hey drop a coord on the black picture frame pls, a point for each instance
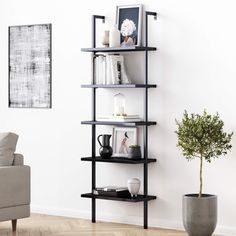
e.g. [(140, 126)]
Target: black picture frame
[(134, 13)]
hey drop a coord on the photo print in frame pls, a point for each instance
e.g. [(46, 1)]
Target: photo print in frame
[(30, 66), (129, 22), (122, 138)]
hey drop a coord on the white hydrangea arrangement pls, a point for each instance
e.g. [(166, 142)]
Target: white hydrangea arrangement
[(127, 27)]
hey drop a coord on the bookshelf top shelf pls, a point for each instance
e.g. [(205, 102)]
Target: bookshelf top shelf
[(119, 49), (122, 124), (118, 86)]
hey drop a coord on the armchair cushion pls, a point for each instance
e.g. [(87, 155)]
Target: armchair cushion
[(8, 143), (14, 186)]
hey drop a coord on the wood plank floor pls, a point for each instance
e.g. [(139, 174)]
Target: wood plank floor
[(44, 225)]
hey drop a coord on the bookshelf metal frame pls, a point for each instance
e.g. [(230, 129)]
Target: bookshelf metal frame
[(146, 123)]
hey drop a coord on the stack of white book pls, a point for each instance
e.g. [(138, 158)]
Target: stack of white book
[(127, 118), (100, 69), (110, 69)]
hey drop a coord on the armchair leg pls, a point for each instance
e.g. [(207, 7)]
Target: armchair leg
[(14, 223)]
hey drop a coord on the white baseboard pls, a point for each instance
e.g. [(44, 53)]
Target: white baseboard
[(134, 220)]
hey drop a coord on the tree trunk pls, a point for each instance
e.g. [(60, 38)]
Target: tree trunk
[(200, 191)]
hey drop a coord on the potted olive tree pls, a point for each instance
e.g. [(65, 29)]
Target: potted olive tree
[(202, 137)]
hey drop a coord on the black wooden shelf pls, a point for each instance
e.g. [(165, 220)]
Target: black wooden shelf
[(139, 198), (119, 49), (122, 124), (118, 86), (119, 160)]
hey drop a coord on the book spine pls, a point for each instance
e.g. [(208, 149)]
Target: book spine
[(112, 69), (108, 70), (104, 69), (100, 69), (124, 77)]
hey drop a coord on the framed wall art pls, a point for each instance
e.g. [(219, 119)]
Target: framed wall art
[(129, 22), (30, 66), (122, 138)]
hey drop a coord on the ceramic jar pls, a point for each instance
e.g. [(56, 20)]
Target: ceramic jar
[(133, 186)]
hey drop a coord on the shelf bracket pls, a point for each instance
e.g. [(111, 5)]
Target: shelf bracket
[(148, 13), (94, 18)]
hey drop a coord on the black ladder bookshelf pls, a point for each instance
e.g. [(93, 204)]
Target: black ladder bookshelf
[(145, 124)]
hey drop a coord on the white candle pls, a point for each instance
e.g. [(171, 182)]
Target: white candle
[(119, 110), (114, 37)]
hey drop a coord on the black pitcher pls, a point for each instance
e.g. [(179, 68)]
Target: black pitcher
[(105, 150)]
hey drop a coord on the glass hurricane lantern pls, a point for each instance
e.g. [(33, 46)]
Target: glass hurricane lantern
[(119, 105)]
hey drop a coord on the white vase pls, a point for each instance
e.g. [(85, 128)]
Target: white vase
[(114, 37), (133, 186), (105, 39)]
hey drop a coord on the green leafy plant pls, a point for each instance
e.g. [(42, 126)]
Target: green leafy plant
[(202, 136), (134, 146)]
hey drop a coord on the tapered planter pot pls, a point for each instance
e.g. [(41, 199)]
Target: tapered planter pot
[(199, 214)]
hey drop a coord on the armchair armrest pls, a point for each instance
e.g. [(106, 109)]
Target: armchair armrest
[(18, 160), (14, 186)]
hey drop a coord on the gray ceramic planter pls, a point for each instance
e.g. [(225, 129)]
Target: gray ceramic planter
[(199, 214), (134, 152)]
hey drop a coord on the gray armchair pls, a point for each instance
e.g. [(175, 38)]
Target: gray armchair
[(15, 191)]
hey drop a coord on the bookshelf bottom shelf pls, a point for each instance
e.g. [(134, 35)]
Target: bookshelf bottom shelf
[(139, 198)]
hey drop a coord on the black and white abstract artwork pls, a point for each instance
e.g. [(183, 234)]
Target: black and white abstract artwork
[(30, 66)]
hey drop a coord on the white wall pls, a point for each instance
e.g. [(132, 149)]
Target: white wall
[(194, 68)]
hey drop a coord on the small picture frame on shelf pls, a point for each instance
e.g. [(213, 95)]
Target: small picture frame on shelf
[(129, 22), (122, 138)]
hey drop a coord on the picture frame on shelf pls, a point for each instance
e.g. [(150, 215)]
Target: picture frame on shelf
[(129, 22), (122, 138)]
